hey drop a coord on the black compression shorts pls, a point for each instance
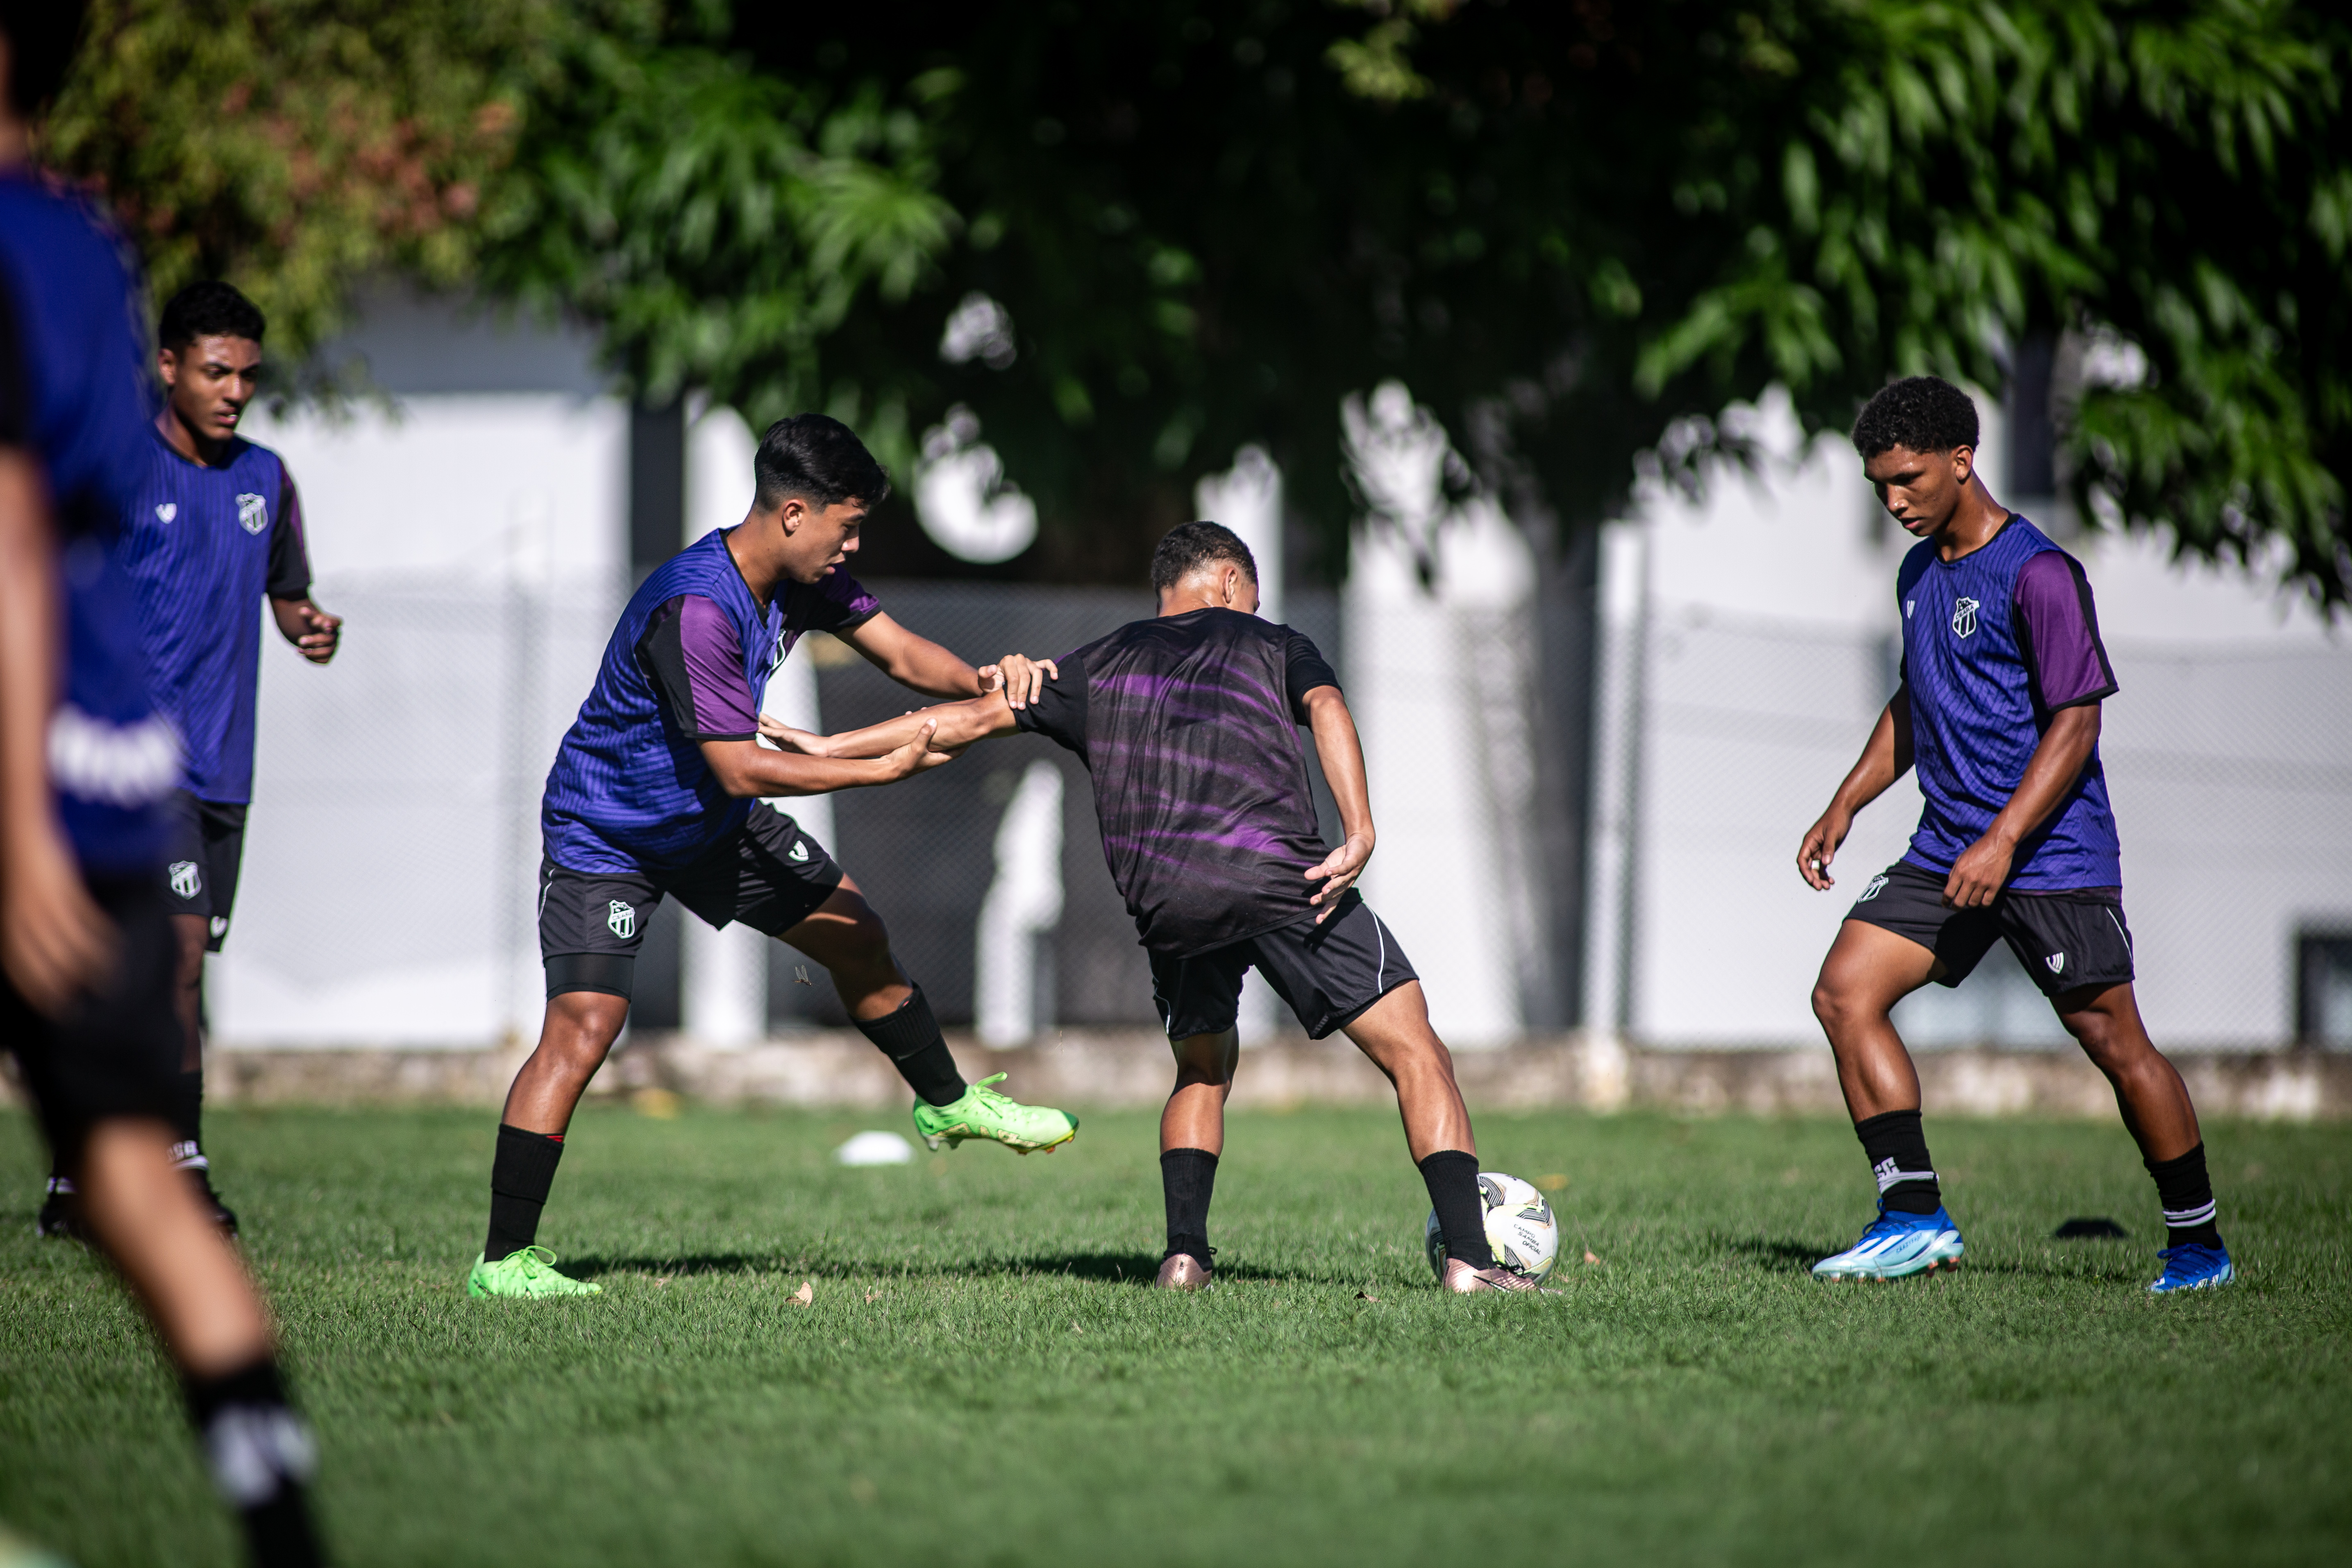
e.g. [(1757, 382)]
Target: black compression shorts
[(2065, 940), (1329, 974)]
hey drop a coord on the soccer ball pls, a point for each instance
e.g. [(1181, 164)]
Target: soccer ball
[(1519, 1227)]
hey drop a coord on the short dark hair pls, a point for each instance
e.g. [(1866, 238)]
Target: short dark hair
[(208, 309), (1189, 546), (819, 460), (42, 40), (1924, 413)]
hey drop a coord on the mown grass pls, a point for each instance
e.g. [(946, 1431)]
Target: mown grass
[(980, 1379)]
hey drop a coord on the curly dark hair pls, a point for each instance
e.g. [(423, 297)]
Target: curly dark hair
[(208, 309), (1189, 546), (1924, 413)]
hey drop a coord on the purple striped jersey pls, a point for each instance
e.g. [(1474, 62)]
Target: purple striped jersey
[(204, 545), (73, 395), (1994, 645), (688, 662), (1188, 724)]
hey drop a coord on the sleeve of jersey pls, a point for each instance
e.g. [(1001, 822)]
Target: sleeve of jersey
[(843, 604), (289, 557), (1304, 669), (690, 653), (2052, 599), (1060, 712), (16, 387)]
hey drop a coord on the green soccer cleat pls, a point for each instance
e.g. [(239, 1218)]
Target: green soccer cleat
[(984, 1114), (530, 1273)]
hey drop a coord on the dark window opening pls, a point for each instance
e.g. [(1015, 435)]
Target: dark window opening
[(2323, 989)]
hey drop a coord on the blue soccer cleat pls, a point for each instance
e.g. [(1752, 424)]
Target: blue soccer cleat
[(1896, 1244), (2189, 1266)]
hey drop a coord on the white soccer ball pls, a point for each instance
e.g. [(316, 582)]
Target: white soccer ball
[(1519, 1227)]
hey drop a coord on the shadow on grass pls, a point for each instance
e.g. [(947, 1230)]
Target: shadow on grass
[(1137, 1269), (1782, 1257)]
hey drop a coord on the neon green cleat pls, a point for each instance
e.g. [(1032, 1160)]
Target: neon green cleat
[(984, 1114), (529, 1273)]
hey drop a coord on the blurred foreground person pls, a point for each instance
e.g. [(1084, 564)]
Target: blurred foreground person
[(1189, 724), (215, 528), (657, 790), (2002, 679), (87, 763)]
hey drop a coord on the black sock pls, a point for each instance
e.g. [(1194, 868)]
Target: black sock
[(188, 1122), (2187, 1194), (911, 1037), (1897, 1152), (520, 1172), (1452, 1177), (260, 1454), (1188, 1177)]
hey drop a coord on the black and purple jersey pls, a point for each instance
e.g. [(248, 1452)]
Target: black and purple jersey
[(204, 544), (1993, 643), (1189, 724), (73, 393), (690, 662)]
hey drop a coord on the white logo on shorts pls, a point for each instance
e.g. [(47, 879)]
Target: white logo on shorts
[(1964, 617), (220, 927), (2057, 962), (167, 511), (186, 880), (799, 854), (623, 920), (1877, 885), (252, 513)]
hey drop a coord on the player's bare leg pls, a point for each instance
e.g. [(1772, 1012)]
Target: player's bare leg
[(1191, 1137), (574, 1037), (846, 936), (1868, 970), (1394, 1032), (2154, 1101)]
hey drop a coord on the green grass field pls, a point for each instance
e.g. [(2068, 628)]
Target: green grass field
[(982, 1380)]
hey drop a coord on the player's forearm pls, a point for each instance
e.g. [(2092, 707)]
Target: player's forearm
[(1341, 751), (916, 663), (1883, 760), (959, 724), (2057, 762), (762, 774), (29, 616)]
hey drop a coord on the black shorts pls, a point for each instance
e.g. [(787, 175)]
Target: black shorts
[(117, 1052), (207, 849), (766, 874), (1329, 974), (2065, 941)]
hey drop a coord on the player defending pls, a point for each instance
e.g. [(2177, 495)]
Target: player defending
[(1187, 723), (2003, 674), (656, 791), (87, 763), (216, 526)]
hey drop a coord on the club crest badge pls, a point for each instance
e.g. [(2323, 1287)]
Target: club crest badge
[(623, 920), (186, 880), (798, 855), (2057, 962), (1964, 617), (252, 513), (167, 511)]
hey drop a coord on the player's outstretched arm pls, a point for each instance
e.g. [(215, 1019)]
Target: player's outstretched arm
[(1885, 758), (746, 768), (922, 665), (950, 727), (1341, 752)]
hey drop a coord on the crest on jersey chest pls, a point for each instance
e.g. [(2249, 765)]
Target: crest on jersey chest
[(1964, 617), (252, 513)]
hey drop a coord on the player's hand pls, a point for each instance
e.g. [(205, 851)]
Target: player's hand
[(1019, 677), (321, 632), (916, 755), (54, 941), (1978, 875), (787, 739), (1339, 873), (1821, 847)]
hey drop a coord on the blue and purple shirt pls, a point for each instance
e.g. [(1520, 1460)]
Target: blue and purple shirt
[(688, 662), (204, 545), (73, 393), (1993, 643), (1189, 724)]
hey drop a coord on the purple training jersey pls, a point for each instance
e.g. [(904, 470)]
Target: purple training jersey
[(204, 545), (72, 394), (1993, 643), (690, 662), (1188, 724)]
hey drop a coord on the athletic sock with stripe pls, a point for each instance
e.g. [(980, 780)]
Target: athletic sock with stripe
[(1452, 1177), (1188, 1179), (521, 1171), (911, 1037), (1897, 1151), (2186, 1191), (261, 1455)]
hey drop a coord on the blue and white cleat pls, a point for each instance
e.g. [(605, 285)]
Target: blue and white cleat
[(1896, 1244), (2192, 1268)]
